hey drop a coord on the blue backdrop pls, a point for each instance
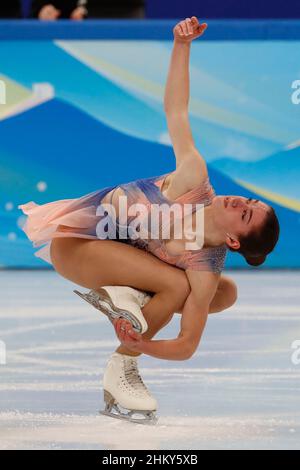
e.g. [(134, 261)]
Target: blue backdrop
[(87, 113)]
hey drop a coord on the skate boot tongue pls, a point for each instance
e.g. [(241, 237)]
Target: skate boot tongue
[(132, 375)]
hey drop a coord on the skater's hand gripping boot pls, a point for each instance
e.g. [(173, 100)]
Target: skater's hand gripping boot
[(127, 336)]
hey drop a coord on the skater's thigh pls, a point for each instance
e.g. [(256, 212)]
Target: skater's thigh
[(96, 263)]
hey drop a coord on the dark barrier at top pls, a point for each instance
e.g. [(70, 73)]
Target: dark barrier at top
[(223, 9)]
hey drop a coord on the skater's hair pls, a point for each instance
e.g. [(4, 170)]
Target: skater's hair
[(260, 242)]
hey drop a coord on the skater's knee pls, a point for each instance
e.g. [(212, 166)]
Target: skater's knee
[(179, 290), (225, 297), (167, 320)]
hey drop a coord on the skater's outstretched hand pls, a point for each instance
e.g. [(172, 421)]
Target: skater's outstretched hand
[(189, 29), (128, 337)]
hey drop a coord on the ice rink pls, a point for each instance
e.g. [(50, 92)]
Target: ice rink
[(241, 390)]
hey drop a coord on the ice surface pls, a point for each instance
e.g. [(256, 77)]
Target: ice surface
[(241, 390)]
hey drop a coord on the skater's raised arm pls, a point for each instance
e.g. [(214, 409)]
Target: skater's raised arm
[(177, 91), (176, 101), (193, 321)]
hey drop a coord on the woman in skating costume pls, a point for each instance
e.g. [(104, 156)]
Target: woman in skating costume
[(164, 274)]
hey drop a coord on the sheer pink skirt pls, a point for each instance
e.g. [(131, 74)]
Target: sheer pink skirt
[(63, 218)]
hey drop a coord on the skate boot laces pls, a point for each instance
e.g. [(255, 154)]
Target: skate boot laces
[(133, 377)]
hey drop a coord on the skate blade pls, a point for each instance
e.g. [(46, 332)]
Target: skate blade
[(104, 304), (112, 409), (150, 421)]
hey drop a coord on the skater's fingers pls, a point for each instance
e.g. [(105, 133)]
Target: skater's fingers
[(130, 333), (203, 27), (123, 330), (130, 338), (120, 328), (180, 30), (125, 327), (125, 335), (129, 326), (189, 26), (184, 27), (134, 335), (117, 324)]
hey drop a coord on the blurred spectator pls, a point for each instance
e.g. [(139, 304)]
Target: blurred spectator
[(52, 10), (78, 10), (10, 9)]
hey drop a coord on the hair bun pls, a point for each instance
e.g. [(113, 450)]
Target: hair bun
[(256, 260)]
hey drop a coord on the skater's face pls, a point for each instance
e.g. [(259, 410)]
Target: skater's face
[(239, 216)]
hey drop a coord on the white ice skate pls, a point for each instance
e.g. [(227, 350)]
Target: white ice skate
[(119, 302), (124, 387)]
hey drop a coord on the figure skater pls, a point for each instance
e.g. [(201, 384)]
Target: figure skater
[(139, 282)]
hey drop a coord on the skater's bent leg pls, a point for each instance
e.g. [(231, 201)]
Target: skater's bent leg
[(96, 263), (225, 296)]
